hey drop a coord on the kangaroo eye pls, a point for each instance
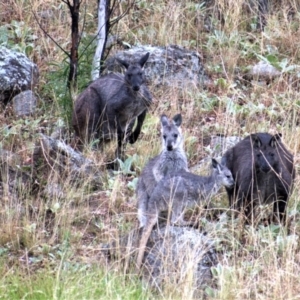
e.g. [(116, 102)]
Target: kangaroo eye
[(271, 154), (164, 136), (140, 74), (175, 135)]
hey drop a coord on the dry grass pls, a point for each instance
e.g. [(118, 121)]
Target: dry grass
[(39, 233)]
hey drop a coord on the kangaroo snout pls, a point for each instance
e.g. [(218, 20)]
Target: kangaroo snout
[(170, 147), (230, 183), (266, 169), (265, 162)]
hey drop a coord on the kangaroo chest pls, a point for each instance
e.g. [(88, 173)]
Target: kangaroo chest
[(131, 110), (119, 114), (265, 187)]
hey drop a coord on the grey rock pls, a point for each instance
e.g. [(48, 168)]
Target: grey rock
[(264, 71), (17, 73), (220, 144), (166, 65), (13, 180), (54, 190), (178, 254), (174, 255), (24, 104), (60, 131), (217, 147), (52, 156)]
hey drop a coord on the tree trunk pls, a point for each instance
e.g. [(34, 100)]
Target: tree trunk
[(102, 32), (74, 10)]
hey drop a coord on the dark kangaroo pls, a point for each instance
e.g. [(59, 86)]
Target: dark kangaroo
[(263, 170), (110, 106), (177, 192), (171, 159)]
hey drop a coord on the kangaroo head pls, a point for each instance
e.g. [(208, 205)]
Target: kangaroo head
[(222, 173), (134, 75), (171, 132), (265, 152)]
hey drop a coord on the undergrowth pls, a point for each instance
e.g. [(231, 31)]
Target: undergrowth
[(51, 244)]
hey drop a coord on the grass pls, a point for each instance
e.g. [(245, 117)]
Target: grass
[(69, 281), (50, 245)]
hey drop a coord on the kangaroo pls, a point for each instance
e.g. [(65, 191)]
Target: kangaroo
[(178, 192), (171, 159), (110, 106), (263, 170)]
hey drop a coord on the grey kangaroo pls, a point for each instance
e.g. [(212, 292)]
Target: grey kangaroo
[(263, 170), (111, 104), (177, 192), (171, 159)]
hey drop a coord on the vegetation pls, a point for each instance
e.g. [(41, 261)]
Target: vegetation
[(50, 246)]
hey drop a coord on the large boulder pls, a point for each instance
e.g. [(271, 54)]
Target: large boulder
[(174, 256), (177, 255), (55, 167), (61, 166), (170, 65), (17, 73)]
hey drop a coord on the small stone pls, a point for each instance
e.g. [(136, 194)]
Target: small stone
[(24, 103)]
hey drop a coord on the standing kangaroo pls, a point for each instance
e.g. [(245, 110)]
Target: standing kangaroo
[(171, 159), (179, 192), (111, 104), (263, 170)]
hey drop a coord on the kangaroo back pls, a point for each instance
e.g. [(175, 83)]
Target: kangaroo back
[(185, 189), (171, 159), (263, 170), (178, 191)]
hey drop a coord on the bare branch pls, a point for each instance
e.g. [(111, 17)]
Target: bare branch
[(66, 2), (126, 12), (83, 24), (48, 35)]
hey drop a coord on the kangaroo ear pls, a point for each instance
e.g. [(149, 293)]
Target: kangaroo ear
[(144, 59), (164, 120), (214, 163), (255, 141), (216, 166), (177, 120), (275, 139), (122, 62), (223, 160)]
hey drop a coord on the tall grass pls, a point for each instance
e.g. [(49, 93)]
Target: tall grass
[(69, 281), (50, 244)]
